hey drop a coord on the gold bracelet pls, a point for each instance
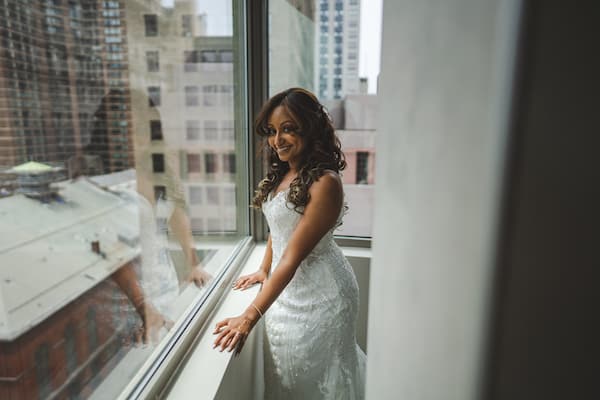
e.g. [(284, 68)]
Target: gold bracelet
[(257, 309)]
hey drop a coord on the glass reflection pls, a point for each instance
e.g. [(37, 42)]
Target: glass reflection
[(118, 195)]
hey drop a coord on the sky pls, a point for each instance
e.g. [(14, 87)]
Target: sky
[(370, 41)]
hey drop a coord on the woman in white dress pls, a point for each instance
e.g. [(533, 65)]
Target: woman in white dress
[(309, 294)]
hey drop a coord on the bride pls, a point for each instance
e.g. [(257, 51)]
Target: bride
[(308, 286)]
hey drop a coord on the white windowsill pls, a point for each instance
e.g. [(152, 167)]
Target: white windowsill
[(201, 376)]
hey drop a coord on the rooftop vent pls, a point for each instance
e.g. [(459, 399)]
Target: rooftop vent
[(35, 180)]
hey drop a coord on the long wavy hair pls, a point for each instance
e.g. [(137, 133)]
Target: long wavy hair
[(322, 148)]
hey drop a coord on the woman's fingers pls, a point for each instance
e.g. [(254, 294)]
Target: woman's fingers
[(237, 337), (240, 282), (220, 325), (220, 339), (240, 344), (228, 338)]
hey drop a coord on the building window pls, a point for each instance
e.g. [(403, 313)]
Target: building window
[(229, 163), (156, 130), (42, 373), (191, 96), (229, 196), (195, 193), (192, 130), (362, 167), (158, 162), (208, 56), (92, 330), (154, 96), (186, 25), (211, 131), (190, 59), (227, 131), (160, 192), (151, 24), (209, 93), (70, 348), (212, 195), (226, 56), (210, 163), (193, 162), (152, 61)]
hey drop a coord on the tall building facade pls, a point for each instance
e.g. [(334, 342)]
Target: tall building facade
[(58, 60), (337, 48), (182, 85)]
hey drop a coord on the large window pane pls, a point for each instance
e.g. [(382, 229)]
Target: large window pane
[(118, 178), (320, 45)]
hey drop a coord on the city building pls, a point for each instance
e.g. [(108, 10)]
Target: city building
[(182, 88), (337, 47), (61, 317), (58, 61), (357, 135)]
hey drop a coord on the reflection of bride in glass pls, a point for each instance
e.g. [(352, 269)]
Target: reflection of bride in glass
[(310, 299), (151, 283)]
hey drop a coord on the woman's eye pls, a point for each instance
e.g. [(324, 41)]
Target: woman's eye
[(288, 129), (269, 131)]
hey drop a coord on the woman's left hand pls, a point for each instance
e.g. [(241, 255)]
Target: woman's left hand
[(233, 333), (199, 276)]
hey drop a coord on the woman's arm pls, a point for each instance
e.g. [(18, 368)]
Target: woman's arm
[(320, 215), (244, 282), (181, 228)]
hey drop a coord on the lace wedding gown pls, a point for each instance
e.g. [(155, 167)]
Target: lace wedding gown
[(310, 346)]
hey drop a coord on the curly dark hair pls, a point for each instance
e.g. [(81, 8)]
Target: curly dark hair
[(322, 148)]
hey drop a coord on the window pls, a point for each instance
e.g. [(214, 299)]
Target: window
[(186, 25), (212, 195), (229, 163), (160, 192), (227, 132), (208, 56), (211, 131), (158, 163), (152, 62), (42, 373), (192, 130), (195, 193), (191, 96), (190, 60), (151, 24), (154, 96), (210, 163), (226, 56), (193, 162), (70, 348), (362, 167), (209, 95), (156, 130), (96, 87)]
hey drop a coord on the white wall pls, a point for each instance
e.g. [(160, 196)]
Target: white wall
[(444, 86)]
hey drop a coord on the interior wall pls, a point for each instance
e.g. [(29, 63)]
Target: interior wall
[(445, 86), (546, 324)]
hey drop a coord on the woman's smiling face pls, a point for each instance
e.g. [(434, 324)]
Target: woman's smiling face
[(284, 138)]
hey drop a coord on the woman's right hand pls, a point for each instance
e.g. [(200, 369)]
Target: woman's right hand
[(244, 282)]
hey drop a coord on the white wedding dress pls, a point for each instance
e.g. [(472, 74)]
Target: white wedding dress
[(310, 346)]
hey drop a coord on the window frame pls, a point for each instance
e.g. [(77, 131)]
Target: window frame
[(251, 17)]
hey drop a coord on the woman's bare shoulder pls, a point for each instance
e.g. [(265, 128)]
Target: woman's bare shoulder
[(330, 183)]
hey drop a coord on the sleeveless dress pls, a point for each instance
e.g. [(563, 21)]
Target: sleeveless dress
[(310, 346)]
